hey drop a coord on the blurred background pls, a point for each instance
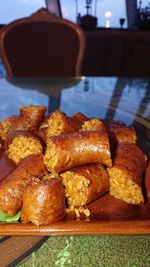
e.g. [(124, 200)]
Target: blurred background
[(117, 32), (108, 12)]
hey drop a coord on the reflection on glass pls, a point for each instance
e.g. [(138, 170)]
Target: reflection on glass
[(91, 102), (108, 15), (121, 21), (107, 98), (70, 10), (18, 97), (101, 97)]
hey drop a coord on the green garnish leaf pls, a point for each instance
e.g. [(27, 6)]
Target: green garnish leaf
[(4, 217)]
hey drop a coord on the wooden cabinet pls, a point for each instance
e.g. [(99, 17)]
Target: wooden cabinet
[(135, 59), (117, 53)]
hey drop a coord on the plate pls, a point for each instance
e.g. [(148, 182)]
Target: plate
[(120, 219), (108, 215)]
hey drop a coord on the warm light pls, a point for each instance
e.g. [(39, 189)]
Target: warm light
[(107, 23), (108, 14)]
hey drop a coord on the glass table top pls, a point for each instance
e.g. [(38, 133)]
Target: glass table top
[(111, 98), (103, 97)]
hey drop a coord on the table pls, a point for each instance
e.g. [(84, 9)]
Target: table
[(116, 98)]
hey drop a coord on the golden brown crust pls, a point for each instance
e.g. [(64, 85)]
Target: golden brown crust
[(11, 189), (99, 183), (6, 165), (29, 119), (67, 151), (114, 124), (127, 172), (43, 202), (44, 123), (76, 148), (60, 123), (93, 125), (42, 133), (20, 144), (130, 159), (27, 134), (122, 135), (80, 116), (74, 181)]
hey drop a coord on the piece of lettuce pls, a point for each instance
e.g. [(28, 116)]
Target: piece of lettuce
[(4, 217)]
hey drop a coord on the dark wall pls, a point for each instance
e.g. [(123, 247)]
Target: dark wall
[(117, 52)]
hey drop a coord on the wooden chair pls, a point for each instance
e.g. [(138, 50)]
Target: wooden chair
[(42, 45)]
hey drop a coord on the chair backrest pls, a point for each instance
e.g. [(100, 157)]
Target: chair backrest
[(42, 45)]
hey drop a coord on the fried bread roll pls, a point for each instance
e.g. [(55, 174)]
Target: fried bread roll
[(12, 187), (44, 123), (42, 133), (93, 124), (20, 144), (126, 173), (122, 135), (6, 165), (70, 150), (119, 133), (29, 119), (80, 116), (85, 184), (114, 123), (43, 202), (60, 123)]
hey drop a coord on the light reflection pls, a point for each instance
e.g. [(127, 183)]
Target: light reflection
[(108, 98), (70, 11), (93, 102), (107, 24), (108, 14), (11, 98), (102, 97), (147, 112)]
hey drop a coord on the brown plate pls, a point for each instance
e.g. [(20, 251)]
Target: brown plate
[(108, 215), (137, 223)]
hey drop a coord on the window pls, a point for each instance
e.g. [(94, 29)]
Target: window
[(143, 4), (108, 12), (11, 10)]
